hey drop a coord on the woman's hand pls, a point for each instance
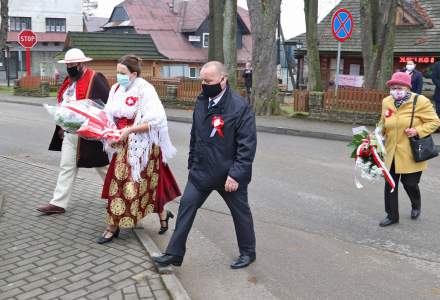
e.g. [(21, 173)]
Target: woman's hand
[(411, 132)]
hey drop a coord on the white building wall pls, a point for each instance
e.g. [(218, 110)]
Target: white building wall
[(39, 10)]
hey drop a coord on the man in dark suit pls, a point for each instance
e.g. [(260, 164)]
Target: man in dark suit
[(416, 77), (222, 149), (436, 80)]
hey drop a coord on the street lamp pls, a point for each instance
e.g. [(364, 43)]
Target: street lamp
[(298, 46)]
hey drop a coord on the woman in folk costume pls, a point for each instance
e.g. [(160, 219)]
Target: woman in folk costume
[(138, 181)]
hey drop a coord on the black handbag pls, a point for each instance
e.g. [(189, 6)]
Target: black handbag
[(422, 148)]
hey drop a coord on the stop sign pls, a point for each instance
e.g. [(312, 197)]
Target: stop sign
[(27, 38)]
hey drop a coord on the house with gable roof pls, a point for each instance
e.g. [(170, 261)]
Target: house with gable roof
[(179, 30)]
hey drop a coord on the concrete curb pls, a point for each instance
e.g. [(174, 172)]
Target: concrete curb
[(171, 282), (260, 128)]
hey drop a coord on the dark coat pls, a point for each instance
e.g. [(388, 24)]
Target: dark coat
[(436, 80), (212, 159), (91, 153), (416, 81), (247, 75)]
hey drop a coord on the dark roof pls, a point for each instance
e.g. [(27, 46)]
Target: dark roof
[(104, 45), (422, 38), (166, 25), (94, 24)]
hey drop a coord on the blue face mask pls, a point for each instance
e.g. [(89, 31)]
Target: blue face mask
[(123, 79)]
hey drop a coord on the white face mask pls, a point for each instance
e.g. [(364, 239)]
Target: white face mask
[(398, 94), (410, 67)]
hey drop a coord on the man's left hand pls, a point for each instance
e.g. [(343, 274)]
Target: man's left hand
[(231, 185), (125, 133)]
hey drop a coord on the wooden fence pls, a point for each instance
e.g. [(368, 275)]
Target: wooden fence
[(30, 82), (300, 101), (354, 99), (188, 90)]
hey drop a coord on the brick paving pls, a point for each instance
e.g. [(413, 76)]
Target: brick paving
[(56, 257)]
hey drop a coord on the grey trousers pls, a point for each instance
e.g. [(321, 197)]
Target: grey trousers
[(193, 199)]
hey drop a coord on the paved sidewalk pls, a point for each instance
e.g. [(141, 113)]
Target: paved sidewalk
[(56, 257), (271, 124)]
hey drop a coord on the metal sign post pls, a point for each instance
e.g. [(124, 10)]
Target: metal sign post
[(338, 64), (27, 39)]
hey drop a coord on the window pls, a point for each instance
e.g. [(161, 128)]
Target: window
[(205, 40), (55, 25), (169, 71), (194, 73), (19, 23)]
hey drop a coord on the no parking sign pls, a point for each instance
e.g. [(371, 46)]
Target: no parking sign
[(342, 29)]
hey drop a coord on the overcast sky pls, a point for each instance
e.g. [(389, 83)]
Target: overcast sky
[(292, 13)]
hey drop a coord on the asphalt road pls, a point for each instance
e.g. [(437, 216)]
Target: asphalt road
[(317, 235)]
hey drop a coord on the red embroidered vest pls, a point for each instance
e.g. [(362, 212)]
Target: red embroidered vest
[(83, 86)]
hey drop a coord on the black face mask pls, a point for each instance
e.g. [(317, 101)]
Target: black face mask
[(211, 90), (74, 73)]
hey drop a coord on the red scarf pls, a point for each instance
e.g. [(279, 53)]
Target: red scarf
[(83, 86)]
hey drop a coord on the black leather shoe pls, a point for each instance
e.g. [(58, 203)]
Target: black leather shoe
[(415, 213), (243, 261), (103, 240), (166, 260), (387, 222)]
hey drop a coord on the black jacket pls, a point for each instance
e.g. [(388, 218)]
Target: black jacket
[(247, 75), (416, 81), (91, 153), (212, 159), (436, 80)]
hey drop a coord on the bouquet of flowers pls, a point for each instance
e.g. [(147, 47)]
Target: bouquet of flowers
[(368, 152), (86, 118)]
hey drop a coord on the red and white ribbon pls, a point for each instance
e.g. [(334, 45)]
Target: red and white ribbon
[(366, 149)]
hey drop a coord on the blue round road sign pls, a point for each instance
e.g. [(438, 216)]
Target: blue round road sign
[(342, 25)]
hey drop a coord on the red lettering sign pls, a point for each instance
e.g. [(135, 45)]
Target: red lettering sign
[(27, 39), (418, 59)]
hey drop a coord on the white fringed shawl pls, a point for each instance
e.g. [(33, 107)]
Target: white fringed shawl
[(148, 110)]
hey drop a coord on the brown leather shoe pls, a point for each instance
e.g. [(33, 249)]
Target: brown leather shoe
[(51, 209)]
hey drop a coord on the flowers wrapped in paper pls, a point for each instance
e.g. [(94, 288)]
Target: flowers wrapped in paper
[(369, 152), (86, 118)]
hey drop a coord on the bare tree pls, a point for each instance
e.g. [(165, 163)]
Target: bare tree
[(4, 15), (264, 19), (311, 15), (230, 41), (89, 6), (216, 10), (378, 21)]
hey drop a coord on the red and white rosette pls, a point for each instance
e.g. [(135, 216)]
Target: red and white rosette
[(218, 123), (130, 101)]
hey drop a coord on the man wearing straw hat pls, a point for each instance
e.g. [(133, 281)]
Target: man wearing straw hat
[(81, 83)]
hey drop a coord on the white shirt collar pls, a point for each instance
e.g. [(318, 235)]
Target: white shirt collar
[(217, 98)]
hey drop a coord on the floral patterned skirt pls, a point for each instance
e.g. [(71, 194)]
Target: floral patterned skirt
[(130, 201)]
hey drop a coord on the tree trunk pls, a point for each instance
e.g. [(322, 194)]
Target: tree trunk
[(378, 21), (311, 15), (230, 41), (4, 12), (216, 10), (264, 19)]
